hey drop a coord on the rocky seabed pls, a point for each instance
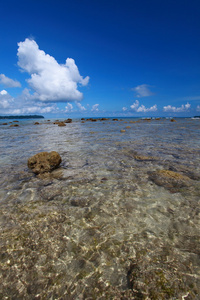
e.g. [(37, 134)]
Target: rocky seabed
[(119, 218)]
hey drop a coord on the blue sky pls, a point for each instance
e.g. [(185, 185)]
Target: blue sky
[(100, 58)]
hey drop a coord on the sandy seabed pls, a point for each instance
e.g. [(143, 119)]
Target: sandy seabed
[(119, 219)]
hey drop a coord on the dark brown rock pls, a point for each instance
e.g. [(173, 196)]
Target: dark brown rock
[(36, 123), (14, 125), (44, 162), (68, 121)]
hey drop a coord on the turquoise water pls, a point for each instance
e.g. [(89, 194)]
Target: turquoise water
[(107, 224)]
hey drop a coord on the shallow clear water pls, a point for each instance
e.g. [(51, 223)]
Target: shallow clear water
[(103, 225)]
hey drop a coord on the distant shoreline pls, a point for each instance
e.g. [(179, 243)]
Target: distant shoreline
[(22, 117)]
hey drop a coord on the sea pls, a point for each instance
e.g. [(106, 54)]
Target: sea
[(118, 219)]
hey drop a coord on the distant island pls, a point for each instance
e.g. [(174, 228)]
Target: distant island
[(22, 117)]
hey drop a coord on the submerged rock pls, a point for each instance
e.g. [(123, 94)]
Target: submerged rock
[(14, 125), (140, 157), (44, 162), (143, 158), (171, 180), (61, 124)]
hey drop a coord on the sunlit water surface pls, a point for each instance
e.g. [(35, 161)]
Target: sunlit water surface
[(99, 227)]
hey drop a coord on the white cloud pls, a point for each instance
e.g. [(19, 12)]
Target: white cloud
[(135, 106), (124, 108), (198, 107), (50, 80), (95, 107), (3, 92), (142, 90), (23, 104), (82, 108), (182, 108), (5, 100), (142, 108), (187, 106), (32, 110), (68, 107), (8, 82)]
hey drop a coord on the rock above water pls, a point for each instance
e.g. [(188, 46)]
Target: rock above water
[(44, 162), (68, 120)]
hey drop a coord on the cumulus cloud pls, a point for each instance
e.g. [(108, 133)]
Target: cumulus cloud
[(198, 107), (141, 108), (50, 80), (142, 90), (8, 82), (95, 107), (81, 107), (182, 108), (5, 99), (135, 105), (34, 110), (124, 108), (3, 92), (23, 104)]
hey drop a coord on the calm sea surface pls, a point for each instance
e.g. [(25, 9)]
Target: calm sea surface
[(119, 219)]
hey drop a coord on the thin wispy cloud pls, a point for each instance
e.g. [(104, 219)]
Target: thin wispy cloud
[(193, 98), (68, 107), (81, 107), (95, 107), (142, 90), (8, 82)]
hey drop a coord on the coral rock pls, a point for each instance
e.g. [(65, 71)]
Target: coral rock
[(172, 181), (44, 162), (61, 124)]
